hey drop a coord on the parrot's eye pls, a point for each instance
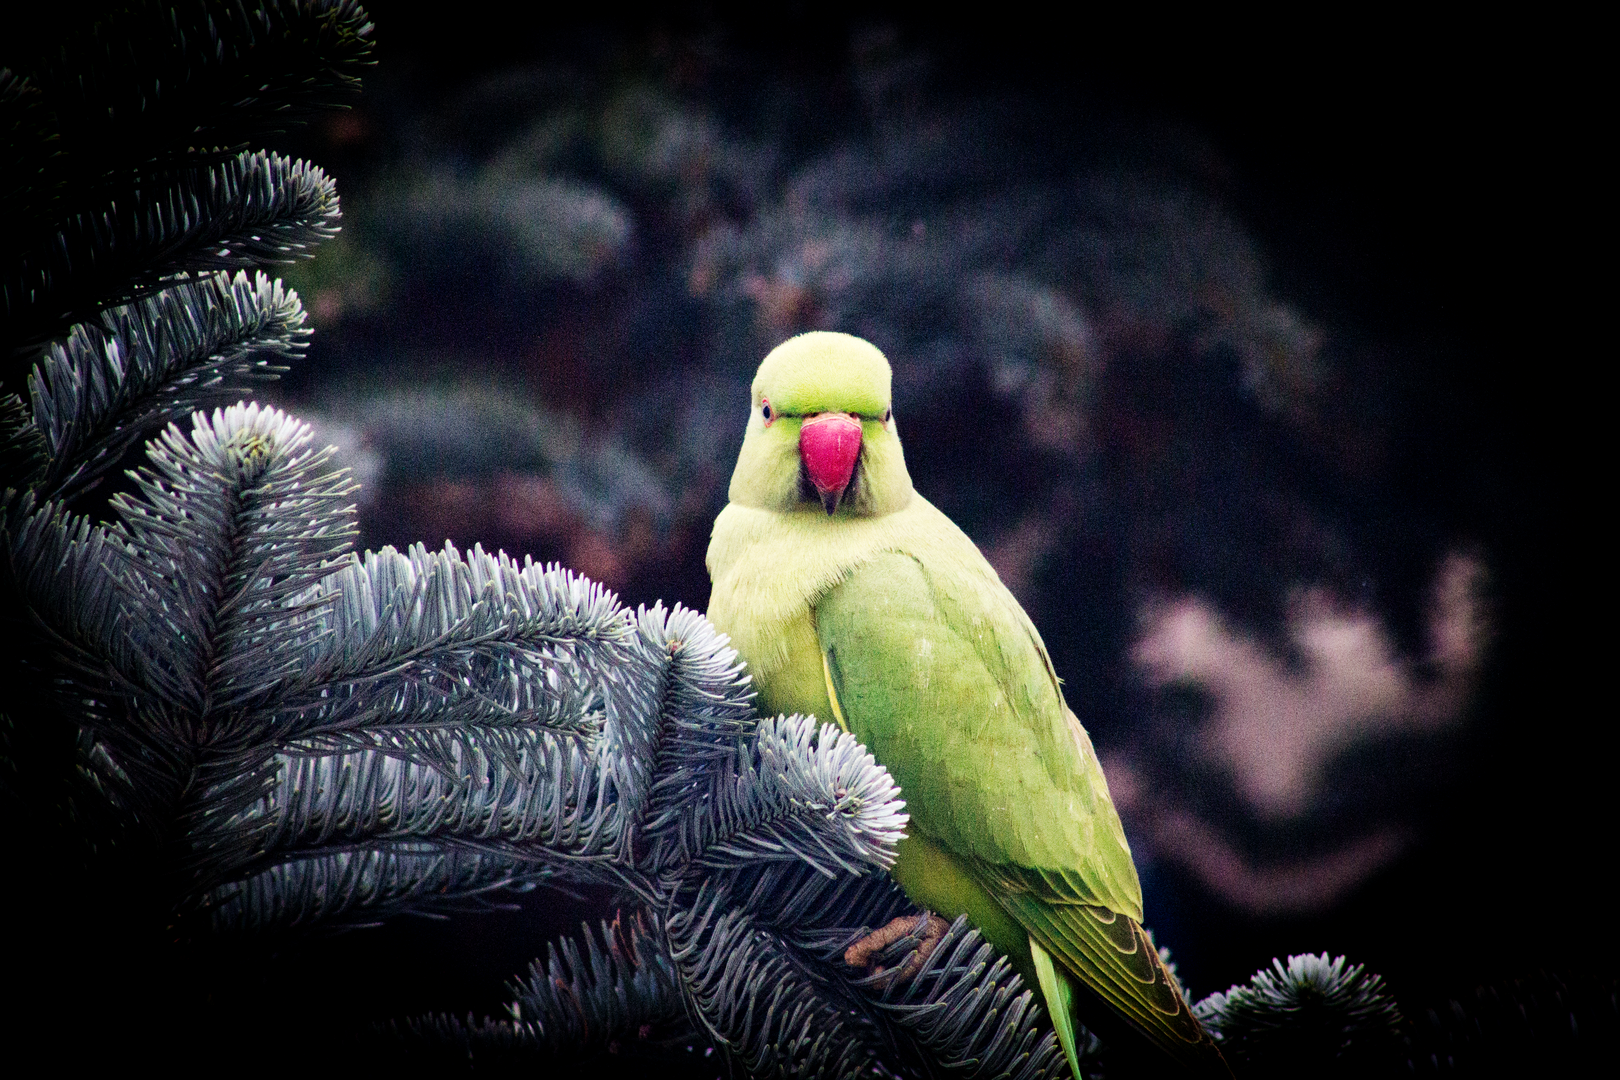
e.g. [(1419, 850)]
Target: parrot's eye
[(888, 413), (765, 410)]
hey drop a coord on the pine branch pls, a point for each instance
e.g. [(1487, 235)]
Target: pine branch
[(362, 884), (251, 210), (232, 525), (169, 626), (757, 999), (799, 791), (26, 136), (963, 1010), (153, 362), (23, 451), (705, 710), (156, 84), (1313, 1015), (620, 988), (966, 1011)]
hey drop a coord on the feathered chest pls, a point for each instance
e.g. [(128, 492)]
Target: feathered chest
[(770, 570)]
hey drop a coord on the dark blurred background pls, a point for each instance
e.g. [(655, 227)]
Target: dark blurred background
[(1239, 350)]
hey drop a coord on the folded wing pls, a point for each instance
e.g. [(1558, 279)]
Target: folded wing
[(939, 671)]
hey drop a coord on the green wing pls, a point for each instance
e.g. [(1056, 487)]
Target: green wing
[(940, 673)]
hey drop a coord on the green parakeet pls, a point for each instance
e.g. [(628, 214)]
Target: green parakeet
[(851, 597)]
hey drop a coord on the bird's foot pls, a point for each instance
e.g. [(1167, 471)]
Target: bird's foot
[(927, 927)]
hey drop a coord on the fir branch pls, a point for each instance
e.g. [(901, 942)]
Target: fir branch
[(1313, 1015), (473, 700), (705, 709), (229, 531), (254, 209), (435, 727), (23, 452), (510, 684), (432, 639), (154, 84), (774, 994), (58, 567), (823, 915), (964, 1009), (154, 361), (799, 791), (618, 989), (756, 998), (232, 524), (375, 880), (26, 143), (754, 988), (168, 627), (520, 797)]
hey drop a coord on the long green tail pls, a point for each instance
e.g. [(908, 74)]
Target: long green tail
[(1059, 995), (1064, 991)]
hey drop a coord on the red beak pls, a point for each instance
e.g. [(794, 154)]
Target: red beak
[(829, 446)]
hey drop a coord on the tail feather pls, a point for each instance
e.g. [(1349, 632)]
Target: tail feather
[(1058, 991), (1154, 1039)]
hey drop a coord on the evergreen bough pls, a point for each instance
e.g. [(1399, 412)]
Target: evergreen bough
[(1312, 1014)]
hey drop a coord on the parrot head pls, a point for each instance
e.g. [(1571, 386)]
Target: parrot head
[(821, 433)]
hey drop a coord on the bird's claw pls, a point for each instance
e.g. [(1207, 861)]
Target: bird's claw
[(864, 953)]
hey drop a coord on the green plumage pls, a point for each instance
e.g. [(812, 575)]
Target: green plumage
[(885, 617)]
